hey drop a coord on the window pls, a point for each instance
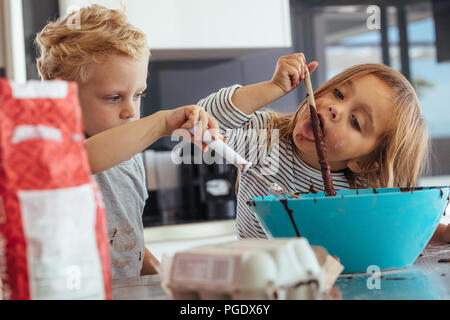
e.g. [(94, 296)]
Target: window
[(349, 41), (431, 79)]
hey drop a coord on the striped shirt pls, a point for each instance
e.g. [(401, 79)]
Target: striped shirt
[(279, 163)]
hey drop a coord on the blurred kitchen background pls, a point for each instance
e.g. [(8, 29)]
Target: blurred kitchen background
[(200, 46)]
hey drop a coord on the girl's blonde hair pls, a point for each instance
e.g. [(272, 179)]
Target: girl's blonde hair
[(402, 154), (66, 50)]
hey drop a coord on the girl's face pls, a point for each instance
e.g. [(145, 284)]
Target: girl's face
[(353, 115)]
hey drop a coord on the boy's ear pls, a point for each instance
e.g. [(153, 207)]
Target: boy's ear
[(356, 167)]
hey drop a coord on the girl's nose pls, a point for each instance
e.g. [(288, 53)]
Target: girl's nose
[(128, 111), (333, 113)]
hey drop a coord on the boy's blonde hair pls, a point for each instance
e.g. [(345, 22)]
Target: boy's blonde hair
[(67, 50), (402, 153)]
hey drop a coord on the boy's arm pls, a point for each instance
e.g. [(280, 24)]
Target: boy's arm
[(288, 74), (442, 234), (116, 145), (150, 263)]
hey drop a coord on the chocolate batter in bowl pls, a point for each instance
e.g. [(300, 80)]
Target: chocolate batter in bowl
[(386, 227)]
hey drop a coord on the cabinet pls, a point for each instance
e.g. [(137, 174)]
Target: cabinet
[(202, 29)]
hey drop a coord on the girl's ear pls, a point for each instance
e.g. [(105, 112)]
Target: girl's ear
[(356, 167)]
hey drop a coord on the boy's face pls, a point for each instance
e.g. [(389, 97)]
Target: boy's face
[(112, 93), (353, 115)]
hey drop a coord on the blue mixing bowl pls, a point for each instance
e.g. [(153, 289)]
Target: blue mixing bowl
[(386, 227)]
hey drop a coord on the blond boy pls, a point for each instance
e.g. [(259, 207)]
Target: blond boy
[(108, 58)]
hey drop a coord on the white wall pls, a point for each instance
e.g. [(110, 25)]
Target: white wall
[(205, 24)]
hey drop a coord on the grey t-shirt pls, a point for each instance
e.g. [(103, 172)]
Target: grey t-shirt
[(124, 193)]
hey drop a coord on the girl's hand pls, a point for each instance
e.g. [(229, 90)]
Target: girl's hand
[(291, 70), (183, 119)]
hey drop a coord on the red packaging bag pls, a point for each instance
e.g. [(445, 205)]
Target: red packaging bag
[(53, 241)]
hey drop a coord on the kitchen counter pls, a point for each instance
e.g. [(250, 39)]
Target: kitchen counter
[(189, 231), (427, 278), (173, 238), (141, 288)]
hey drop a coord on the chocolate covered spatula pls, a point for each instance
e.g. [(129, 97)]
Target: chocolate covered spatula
[(318, 138)]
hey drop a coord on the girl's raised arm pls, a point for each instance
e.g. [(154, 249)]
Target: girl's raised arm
[(289, 72)]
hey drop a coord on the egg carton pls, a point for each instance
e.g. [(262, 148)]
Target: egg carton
[(262, 269)]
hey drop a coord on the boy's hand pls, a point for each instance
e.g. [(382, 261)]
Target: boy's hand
[(186, 118), (446, 234), (291, 70), (441, 235)]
